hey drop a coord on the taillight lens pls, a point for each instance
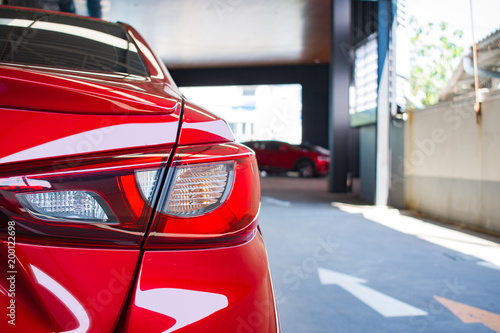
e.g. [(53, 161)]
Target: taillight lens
[(209, 197), (323, 158), (71, 206), (147, 181), (213, 198), (102, 200), (198, 189)]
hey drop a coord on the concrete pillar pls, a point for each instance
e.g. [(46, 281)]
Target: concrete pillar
[(340, 78)]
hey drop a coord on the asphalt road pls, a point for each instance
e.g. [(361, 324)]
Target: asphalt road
[(349, 268)]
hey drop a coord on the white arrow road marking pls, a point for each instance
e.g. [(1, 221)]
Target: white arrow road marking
[(383, 304), (71, 302), (274, 201), (185, 306)]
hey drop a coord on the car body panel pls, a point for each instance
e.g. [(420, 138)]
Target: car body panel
[(156, 67), (200, 125), (53, 293), (217, 290), (63, 90), (62, 134)]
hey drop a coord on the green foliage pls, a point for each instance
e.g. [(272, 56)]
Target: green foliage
[(434, 55)]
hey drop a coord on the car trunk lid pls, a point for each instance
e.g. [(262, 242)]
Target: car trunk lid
[(58, 90)]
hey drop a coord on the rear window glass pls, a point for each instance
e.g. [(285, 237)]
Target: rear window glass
[(50, 39)]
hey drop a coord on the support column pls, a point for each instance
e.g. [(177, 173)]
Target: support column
[(385, 21), (340, 78)]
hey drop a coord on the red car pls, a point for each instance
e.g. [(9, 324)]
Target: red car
[(307, 160), (123, 207)]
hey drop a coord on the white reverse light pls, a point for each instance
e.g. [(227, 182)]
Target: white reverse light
[(198, 189), (71, 206), (147, 181)]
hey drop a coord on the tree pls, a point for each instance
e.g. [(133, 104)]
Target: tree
[(434, 56)]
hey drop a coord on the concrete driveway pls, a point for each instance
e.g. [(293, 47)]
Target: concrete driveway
[(341, 266)]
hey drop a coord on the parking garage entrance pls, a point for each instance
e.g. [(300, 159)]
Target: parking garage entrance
[(255, 112)]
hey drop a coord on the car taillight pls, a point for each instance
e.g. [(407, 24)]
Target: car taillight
[(70, 206), (210, 196), (323, 158), (198, 189), (147, 181), (103, 200), (213, 198)]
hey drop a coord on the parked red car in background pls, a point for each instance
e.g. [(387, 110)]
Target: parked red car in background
[(123, 207), (276, 156)]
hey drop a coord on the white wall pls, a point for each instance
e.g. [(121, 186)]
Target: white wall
[(452, 164)]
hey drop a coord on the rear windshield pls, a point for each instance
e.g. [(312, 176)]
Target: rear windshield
[(50, 39)]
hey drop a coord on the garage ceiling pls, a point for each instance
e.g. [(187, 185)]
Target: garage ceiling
[(220, 33)]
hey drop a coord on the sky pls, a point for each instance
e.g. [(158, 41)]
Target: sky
[(457, 13)]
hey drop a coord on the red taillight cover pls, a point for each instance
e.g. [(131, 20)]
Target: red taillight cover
[(112, 182), (233, 221), (109, 178)]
